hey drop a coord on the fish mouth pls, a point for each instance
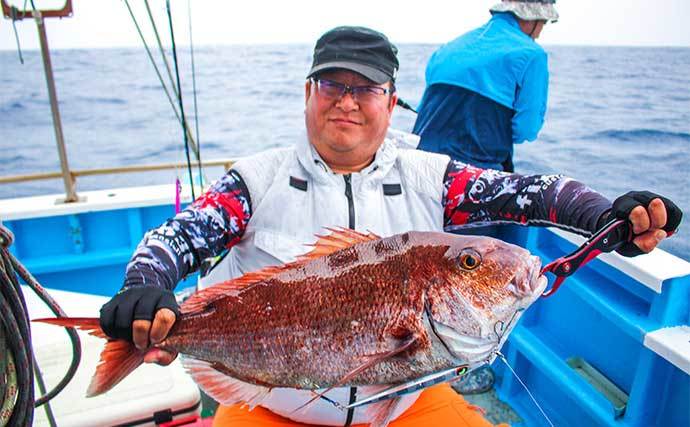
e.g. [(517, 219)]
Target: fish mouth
[(528, 281), (468, 349)]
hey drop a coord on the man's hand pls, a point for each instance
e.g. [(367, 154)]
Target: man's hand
[(653, 218), (143, 315)]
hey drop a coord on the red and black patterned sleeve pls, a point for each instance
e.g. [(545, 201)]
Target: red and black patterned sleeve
[(474, 196), (213, 223)]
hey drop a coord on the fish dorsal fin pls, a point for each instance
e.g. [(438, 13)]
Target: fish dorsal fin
[(340, 238), (222, 387)]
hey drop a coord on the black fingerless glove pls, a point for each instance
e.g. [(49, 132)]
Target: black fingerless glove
[(136, 303), (623, 205)]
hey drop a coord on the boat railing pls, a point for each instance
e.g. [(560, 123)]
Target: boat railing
[(74, 174), (68, 175)]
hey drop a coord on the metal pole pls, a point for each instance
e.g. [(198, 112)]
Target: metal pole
[(70, 192)]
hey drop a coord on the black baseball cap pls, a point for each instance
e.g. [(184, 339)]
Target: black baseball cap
[(357, 49)]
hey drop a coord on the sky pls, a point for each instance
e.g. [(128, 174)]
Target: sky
[(107, 23)]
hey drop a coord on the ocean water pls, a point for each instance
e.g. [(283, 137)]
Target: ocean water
[(618, 118)]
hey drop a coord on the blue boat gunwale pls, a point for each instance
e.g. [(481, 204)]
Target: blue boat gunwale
[(636, 299)]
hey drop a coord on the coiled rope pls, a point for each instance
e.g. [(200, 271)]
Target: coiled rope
[(17, 364)]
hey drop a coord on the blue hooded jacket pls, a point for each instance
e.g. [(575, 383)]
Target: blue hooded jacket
[(486, 90)]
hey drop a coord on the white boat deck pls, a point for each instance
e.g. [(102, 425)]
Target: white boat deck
[(149, 389)]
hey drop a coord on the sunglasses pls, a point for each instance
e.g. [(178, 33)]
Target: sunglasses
[(361, 94)]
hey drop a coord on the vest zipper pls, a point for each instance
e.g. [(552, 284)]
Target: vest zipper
[(350, 200), (351, 225)]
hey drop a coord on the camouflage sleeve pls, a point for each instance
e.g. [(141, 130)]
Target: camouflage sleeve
[(473, 197), (213, 223)]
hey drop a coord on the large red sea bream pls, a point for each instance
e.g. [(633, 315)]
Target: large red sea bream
[(358, 310)]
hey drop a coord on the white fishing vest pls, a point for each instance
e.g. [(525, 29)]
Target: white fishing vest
[(294, 195)]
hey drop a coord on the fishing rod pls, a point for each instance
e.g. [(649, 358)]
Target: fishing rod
[(405, 105)]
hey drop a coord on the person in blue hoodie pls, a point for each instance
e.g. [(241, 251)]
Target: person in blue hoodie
[(487, 89)]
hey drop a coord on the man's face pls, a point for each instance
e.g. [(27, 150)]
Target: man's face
[(346, 133)]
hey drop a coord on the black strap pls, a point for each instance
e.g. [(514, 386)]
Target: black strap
[(351, 411)]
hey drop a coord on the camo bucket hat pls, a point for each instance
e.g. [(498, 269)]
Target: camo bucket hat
[(529, 10)]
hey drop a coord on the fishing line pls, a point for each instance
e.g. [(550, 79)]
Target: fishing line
[(179, 99), (154, 27), (503, 358), (504, 326), (183, 119), (153, 62), (196, 111)]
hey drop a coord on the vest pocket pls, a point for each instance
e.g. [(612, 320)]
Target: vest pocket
[(280, 246)]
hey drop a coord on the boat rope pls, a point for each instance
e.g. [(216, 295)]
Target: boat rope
[(158, 73), (42, 388), (179, 99), (503, 358), (17, 377)]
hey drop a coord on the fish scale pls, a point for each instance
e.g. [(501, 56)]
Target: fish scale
[(362, 293)]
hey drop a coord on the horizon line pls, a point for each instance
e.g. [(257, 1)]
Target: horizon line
[(297, 43)]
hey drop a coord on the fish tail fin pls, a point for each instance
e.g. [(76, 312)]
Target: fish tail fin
[(87, 324), (118, 359)]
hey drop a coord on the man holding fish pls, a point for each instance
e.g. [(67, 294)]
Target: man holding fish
[(359, 312)]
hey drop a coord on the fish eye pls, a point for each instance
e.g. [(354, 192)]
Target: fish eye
[(469, 259)]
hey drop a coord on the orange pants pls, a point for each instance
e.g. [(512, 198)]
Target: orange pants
[(436, 406)]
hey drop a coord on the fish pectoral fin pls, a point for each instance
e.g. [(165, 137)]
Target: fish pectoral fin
[(371, 360), (222, 387), (375, 359), (381, 413)]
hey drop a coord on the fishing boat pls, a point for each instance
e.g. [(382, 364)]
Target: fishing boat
[(611, 348)]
